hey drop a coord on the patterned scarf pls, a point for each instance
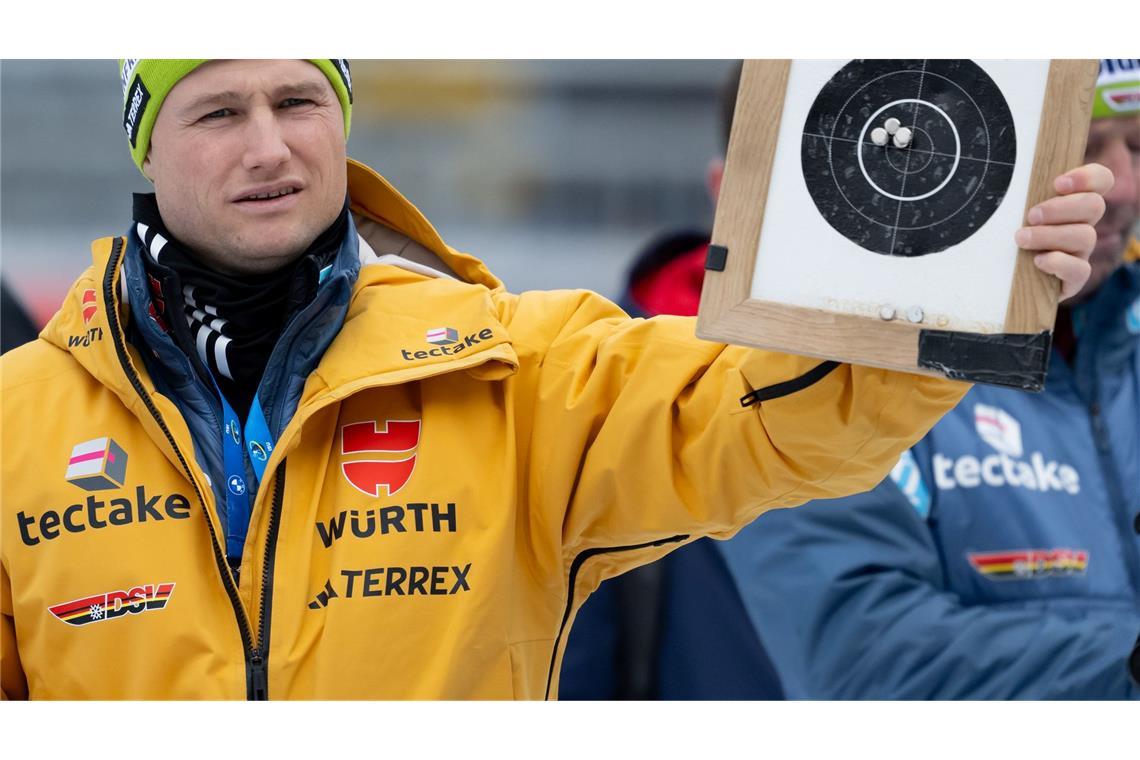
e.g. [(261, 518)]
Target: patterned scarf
[(231, 322)]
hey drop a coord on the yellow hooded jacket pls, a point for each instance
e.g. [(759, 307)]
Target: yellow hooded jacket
[(430, 519)]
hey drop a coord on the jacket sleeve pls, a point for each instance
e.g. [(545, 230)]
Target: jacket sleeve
[(13, 684), (639, 434), (848, 597)]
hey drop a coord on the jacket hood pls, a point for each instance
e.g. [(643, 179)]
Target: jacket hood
[(448, 289), (373, 197)]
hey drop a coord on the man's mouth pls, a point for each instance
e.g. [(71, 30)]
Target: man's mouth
[(269, 195)]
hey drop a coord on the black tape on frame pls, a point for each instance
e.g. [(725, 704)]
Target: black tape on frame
[(716, 258), (1014, 360)]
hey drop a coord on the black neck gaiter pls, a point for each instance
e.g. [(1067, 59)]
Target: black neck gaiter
[(230, 323)]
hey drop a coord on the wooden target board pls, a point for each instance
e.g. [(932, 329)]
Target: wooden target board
[(868, 210)]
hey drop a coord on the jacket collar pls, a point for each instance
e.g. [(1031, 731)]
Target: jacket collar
[(393, 307)]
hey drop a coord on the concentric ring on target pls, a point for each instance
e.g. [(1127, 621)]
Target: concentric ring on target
[(932, 192), (926, 150), (868, 125)]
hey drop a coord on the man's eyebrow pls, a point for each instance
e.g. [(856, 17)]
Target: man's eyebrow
[(302, 89), (294, 89), (214, 98)]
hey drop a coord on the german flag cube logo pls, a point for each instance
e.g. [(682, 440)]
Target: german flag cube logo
[(443, 336), (97, 465)]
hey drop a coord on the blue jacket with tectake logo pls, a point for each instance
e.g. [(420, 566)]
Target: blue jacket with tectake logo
[(999, 560)]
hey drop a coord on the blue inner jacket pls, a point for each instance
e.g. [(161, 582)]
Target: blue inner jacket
[(299, 349)]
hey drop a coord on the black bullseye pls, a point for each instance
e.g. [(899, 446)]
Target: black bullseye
[(947, 180)]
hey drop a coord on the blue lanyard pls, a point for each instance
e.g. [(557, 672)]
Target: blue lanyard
[(259, 444)]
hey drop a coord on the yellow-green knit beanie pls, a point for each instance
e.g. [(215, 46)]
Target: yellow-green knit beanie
[(147, 81)]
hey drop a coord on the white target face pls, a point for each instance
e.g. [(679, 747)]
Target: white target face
[(899, 185), (943, 173)]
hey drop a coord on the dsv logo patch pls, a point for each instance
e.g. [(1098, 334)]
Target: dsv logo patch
[(396, 438), (113, 604)]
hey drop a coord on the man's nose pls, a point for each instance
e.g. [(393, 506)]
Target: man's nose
[(265, 147)]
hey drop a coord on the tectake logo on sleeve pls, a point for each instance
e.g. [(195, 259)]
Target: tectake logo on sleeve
[(113, 604), (448, 342), (442, 336), (97, 465), (396, 438)]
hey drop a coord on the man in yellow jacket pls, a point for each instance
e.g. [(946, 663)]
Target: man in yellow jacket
[(282, 441)]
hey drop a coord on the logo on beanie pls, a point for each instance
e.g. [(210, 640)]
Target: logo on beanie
[(126, 71), (1117, 87), (1116, 69), (345, 75), (1122, 99), (133, 110)]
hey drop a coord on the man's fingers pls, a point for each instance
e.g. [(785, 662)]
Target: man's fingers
[(1080, 208), (1076, 239), (1073, 272), (1090, 178)]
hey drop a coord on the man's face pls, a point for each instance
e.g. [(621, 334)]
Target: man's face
[(233, 130), (1114, 142)]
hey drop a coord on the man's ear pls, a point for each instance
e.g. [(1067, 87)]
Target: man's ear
[(146, 165)]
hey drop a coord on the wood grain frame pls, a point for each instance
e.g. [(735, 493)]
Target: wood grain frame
[(729, 314)]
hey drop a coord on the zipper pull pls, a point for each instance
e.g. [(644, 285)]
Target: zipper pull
[(235, 568), (259, 678)]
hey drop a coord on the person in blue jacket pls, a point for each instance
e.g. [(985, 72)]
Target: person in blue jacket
[(1001, 558)]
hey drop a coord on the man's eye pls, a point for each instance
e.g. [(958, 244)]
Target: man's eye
[(288, 102), (221, 113)]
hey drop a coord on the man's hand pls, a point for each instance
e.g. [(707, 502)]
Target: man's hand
[(1062, 227)]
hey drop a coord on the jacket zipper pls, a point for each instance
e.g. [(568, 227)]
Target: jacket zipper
[(788, 387), (255, 660), (575, 566), (259, 655)]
